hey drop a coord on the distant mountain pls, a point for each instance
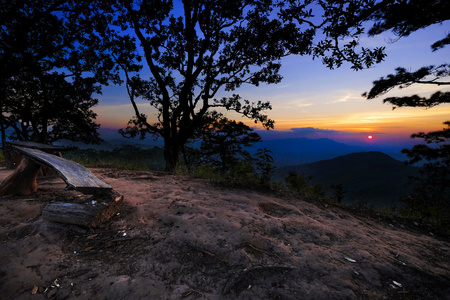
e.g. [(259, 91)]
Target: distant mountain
[(372, 177), (288, 151), (105, 145), (303, 150), (285, 151)]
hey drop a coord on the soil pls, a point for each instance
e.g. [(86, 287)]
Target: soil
[(177, 237)]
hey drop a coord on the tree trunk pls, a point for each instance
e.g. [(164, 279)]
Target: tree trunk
[(3, 133), (171, 155), (2, 130), (23, 180)]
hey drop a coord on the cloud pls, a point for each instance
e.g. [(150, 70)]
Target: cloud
[(315, 131), (292, 104), (347, 98), (308, 132)]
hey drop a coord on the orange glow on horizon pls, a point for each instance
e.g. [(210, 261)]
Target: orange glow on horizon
[(401, 122), (392, 122)]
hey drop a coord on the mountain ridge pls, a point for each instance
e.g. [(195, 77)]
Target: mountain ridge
[(292, 151), (370, 177)]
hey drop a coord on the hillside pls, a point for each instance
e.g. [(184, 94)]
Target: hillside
[(303, 150), (178, 237), (369, 177)]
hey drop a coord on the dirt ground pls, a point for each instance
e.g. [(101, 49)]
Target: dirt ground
[(182, 238)]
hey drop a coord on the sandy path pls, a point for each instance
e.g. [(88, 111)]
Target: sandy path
[(179, 237)]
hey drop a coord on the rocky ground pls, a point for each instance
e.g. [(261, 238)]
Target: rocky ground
[(178, 237)]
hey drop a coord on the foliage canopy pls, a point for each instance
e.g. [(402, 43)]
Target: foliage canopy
[(197, 49), (52, 64), (430, 199), (403, 18)]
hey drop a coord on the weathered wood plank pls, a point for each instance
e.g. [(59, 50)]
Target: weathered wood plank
[(34, 145), (13, 158), (75, 175)]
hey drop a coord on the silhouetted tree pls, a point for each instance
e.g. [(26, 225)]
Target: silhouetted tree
[(430, 199), (223, 142), (52, 64), (198, 48), (46, 108), (403, 18), (339, 192), (432, 188), (264, 164)]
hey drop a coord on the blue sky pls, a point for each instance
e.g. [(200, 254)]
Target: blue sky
[(313, 101)]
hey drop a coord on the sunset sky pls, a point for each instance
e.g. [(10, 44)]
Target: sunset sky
[(315, 102)]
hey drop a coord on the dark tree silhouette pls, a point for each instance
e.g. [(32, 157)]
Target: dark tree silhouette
[(430, 199), (264, 163), (52, 64), (403, 18), (202, 47), (223, 143), (46, 108)]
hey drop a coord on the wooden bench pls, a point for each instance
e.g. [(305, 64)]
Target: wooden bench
[(75, 175), (23, 181)]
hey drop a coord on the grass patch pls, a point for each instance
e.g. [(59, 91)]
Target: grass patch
[(125, 158)]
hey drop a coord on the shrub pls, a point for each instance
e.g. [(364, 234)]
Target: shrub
[(300, 184), (264, 164), (2, 157), (429, 203), (125, 157)]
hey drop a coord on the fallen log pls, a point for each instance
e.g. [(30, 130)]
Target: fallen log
[(92, 213)]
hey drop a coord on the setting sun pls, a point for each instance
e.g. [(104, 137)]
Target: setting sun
[(369, 137)]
